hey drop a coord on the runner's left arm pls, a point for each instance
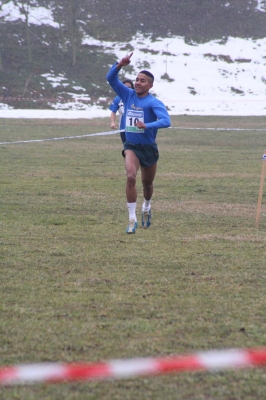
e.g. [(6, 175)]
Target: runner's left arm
[(163, 118)]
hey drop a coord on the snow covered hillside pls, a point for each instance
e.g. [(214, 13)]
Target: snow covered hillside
[(220, 77), (216, 78)]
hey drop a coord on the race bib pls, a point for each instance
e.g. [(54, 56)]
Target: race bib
[(132, 117)]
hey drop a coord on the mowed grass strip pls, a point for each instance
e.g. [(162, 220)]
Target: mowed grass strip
[(75, 287)]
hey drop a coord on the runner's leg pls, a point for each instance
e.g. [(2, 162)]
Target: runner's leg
[(132, 166), (147, 178)]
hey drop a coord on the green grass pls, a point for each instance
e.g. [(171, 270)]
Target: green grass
[(75, 287)]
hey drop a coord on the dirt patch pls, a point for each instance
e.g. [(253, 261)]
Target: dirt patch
[(216, 209), (235, 238), (215, 122), (204, 175)]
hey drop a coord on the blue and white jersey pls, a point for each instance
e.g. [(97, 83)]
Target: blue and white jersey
[(147, 109), (117, 105)]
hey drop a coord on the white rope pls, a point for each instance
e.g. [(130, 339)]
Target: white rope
[(118, 131), (62, 138)]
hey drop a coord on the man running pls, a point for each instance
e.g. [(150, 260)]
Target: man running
[(144, 115)]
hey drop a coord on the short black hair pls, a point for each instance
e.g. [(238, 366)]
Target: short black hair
[(129, 81), (148, 73)]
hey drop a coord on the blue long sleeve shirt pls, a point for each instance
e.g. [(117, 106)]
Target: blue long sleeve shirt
[(147, 109)]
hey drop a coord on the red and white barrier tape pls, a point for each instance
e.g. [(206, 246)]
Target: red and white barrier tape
[(48, 100), (117, 369)]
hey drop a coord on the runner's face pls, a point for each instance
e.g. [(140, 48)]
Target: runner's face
[(142, 85), (127, 84)]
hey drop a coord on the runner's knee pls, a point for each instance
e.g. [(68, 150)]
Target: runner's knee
[(131, 180), (147, 186)]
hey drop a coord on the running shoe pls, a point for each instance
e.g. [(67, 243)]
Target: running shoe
[(132, 226), (146, 219)]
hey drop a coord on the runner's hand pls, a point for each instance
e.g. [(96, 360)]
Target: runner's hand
[(140, 125), (124, 61)]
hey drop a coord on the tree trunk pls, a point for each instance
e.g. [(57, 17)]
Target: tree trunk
[(73, 31), (26, 13), (28, 37), (1, 64), (61, 25)]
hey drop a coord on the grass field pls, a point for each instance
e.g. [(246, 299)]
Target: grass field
[(75, 287)]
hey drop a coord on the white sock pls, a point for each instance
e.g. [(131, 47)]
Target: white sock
[(132, 210), (146, 205)]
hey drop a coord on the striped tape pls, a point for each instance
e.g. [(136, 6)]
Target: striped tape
[(130, 368), (50, 100), (63, 137), (218, 129), (118, 131)]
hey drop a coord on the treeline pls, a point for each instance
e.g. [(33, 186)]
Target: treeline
[(29, 49), (71, 17)]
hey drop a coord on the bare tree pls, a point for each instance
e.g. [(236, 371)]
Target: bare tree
[(73, 30), (2, 17), (1, 64), (58, 9), (67, 14), (24, 8)]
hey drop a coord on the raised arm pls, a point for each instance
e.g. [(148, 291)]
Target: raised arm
[(112, 77), (124, 61)]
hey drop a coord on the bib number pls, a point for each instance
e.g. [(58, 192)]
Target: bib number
[(132, 118)]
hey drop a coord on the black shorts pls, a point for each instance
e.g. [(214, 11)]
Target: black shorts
[(123, 136), (147, 154)]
